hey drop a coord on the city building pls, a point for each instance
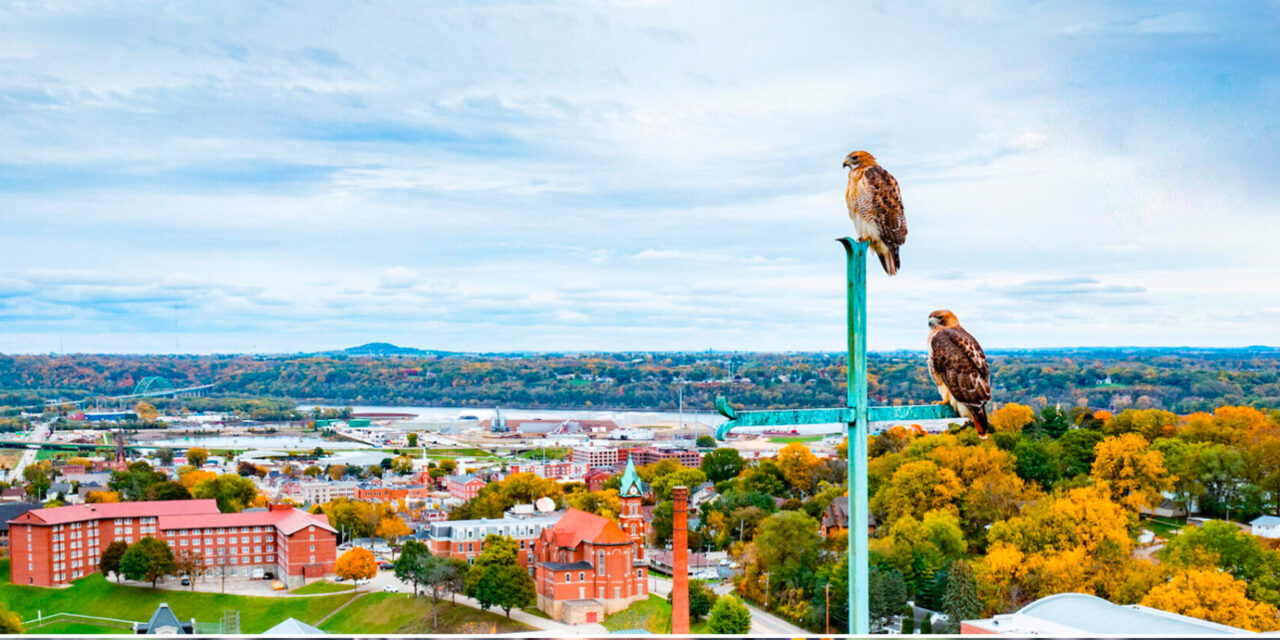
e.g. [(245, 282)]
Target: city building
[(165, 623), (589, 566), (650, 455), (391, 494), (318, 491), (464, 539), (9, 511), (1078, 614), (595, 457), (57, 545), (595, 479), (1265, 527), (554, 469), (463, 487)]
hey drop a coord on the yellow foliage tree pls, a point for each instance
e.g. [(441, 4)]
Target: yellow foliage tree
[(99, 497), (197, 456), (1132, 470), (194, 477), (356, 564), (799, 467), (1011, 418), (916, 488), (146, 411), (1214, 596)]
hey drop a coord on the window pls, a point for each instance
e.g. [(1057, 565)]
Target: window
[(582, 576), (313, 547), (567, 577), (600, 564)]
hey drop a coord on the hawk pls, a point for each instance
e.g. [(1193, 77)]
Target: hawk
[(875, 205), (959, 368)]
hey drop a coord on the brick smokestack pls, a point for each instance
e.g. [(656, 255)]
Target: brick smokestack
[(680, 561)]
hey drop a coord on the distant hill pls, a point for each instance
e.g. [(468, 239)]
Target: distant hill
[(387, 349)]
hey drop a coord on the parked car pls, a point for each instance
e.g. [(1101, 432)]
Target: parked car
[(391, 588), (186, 582), (384, 565), (338, 579), (362, 581)]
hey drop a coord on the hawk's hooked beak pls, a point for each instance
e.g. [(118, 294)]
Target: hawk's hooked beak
[(846, 163)]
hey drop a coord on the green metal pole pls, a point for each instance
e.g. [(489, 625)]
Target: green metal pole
[(856, 383)]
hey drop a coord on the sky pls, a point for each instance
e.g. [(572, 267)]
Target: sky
[(497, 176)]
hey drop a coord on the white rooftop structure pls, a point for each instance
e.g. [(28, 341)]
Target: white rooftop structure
[(1071, 614), (293, 627), (1265, 527)]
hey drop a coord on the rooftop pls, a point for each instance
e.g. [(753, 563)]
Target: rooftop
[(1066, 614), (1266, 521), (81, 512)]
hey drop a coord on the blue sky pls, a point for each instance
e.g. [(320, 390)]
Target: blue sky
[(235, 176)]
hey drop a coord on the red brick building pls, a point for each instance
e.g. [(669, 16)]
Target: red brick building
[(463, 487), (650, 455), (55, 546), (589, 566), (391, 494), (464, 539), (595, 479)]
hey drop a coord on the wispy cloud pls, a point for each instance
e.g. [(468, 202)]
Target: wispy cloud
[(630, 175)]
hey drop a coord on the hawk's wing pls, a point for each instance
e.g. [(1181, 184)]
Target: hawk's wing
[(959, 361), (886, 206)]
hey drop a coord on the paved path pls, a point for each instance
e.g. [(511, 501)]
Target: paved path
[(335, 611)]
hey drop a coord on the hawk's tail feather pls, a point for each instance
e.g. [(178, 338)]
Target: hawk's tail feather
[(889, 259), (980, 422)]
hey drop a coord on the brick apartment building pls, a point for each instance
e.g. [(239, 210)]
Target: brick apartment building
[(464, 539), (391, 494), (54, 546), (463, 487), (554, 469), (597, 457), (650, 455), (589, 566)]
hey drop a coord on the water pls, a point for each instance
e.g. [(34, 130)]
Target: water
[(253, 442), (622, 418)]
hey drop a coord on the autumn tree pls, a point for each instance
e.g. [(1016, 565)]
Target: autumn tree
[(920, 548), (356, 564), (1011, 418), (146, 412), (189, 564), (391, 529), (147, 559), (1222, 545), (197, 456), (193, 477), (413, 439), (100, 497), (798, 466), (1133, 471), (915, 488), (604, 503), (789, 546), (109, 562), (10, 623), (1214, 596)]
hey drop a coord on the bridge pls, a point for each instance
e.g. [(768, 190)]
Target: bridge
[(148, 387)]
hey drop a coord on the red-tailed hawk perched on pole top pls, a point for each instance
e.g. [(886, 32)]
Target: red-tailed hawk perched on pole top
[(959, 368), (875, 205)]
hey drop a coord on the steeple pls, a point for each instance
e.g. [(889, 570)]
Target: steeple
[(631, 487)]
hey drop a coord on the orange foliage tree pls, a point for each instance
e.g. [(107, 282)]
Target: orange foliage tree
[(1011, 418), (356, 564), (1132, 470)]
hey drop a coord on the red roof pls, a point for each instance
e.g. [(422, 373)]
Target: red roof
[(577, 526), (286, 520), (84, 512)]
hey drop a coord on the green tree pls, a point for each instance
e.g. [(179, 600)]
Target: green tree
[(1077, 451), (413, 439), (926, 625), (788, 544), (135, 483), (1038, 460), (496, 579), (723, 464), (232, 492), (1052, 423), (109, 562), (165, 455), (168, 490), (701, 598), (729, 616), (410, 566), (147, 559), (705, 442), (960, 601)]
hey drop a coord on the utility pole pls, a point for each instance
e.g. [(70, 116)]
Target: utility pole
[(828, 607), (766, 591)]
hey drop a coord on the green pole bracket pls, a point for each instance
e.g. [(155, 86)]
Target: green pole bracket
[(856, 416)]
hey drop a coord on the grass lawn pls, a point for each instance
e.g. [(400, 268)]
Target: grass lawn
[(699, 628), (68, 628), (95, 596), (790, 439), (1161, 527), (535, 611), (322, 586), (652, 615), (379, 613)]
